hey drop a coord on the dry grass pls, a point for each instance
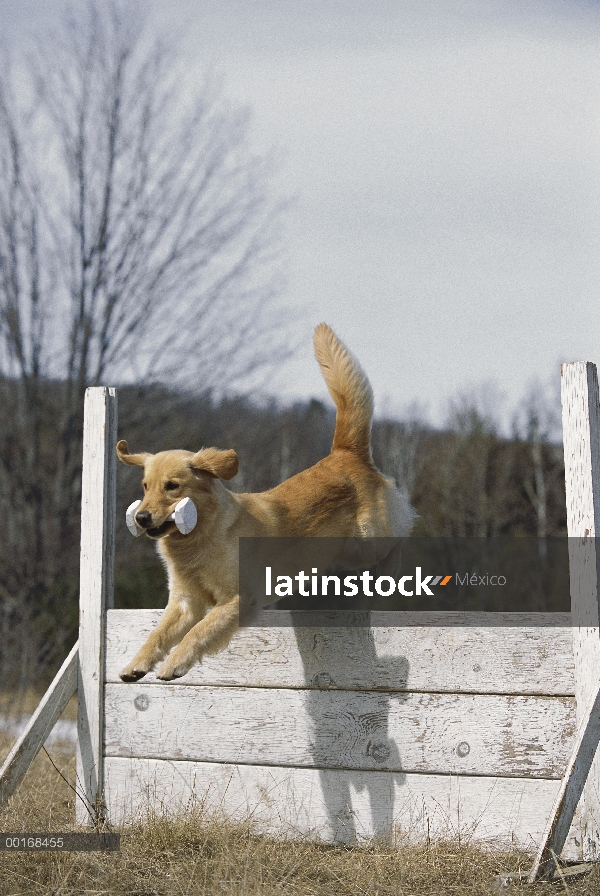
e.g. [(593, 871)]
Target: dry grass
[(195, 856), (25, 702)]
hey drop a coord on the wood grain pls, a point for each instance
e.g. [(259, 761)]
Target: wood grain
[(529, 659), (463, 734), (98, 502), (581, 436)]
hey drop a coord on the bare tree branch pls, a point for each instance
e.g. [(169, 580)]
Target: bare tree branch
[(139, 241)]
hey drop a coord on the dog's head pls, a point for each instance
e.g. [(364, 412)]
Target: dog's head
[(170, 476)]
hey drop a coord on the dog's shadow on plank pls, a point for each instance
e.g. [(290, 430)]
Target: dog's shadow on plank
[(351, 691)]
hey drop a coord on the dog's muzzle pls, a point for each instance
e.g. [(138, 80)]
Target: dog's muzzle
[(185, 517)]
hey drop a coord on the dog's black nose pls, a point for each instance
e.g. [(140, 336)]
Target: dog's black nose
[(144, 519)]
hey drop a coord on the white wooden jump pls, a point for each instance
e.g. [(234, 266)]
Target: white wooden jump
[(341, 733)]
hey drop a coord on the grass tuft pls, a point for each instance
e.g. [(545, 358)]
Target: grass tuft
[(194, 854)]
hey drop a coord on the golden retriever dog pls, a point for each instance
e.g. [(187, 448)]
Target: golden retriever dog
[(343, 495)]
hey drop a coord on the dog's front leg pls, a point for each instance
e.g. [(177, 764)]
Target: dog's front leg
[(208, 636), (177, 619)]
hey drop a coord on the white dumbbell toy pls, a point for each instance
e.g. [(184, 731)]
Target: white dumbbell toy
[(185, 517)]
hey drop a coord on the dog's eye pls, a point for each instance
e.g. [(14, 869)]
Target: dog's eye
[(145, 485), (171, 486)]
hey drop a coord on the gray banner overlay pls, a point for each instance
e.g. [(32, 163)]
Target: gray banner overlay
[(60, 842), (364, 582)]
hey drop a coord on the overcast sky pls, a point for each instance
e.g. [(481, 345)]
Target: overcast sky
[(445, 157)]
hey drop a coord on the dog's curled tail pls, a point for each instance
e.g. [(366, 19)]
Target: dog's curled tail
[(350, 390)]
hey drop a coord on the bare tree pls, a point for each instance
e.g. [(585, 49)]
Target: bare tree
[(466, 487), (138, 242), (537, 423), (398, 446)]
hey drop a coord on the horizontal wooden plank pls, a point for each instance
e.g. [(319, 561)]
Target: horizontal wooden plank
[(338, 805), (535, 658), (435, 733)]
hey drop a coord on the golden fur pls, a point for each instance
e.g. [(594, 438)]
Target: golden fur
[(342, 495)]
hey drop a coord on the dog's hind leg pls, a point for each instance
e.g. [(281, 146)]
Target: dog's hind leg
[(208, 636), (177, 619)]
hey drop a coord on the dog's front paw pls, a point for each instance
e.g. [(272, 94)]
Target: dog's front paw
[(132, 675), (133, 672), (173, 668)]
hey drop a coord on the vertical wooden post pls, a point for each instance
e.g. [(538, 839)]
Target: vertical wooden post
[(581, 437), (98, 497)]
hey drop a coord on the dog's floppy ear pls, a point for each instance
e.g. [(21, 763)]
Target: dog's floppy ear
[(134, 460), (222, 464)]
